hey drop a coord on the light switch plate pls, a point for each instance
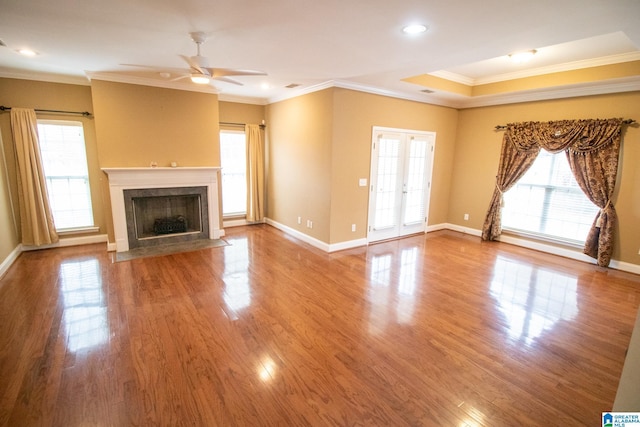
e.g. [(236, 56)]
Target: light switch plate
[(363, 182)]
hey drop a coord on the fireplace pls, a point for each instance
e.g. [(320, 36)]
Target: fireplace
[(155, 206), (157, 216)]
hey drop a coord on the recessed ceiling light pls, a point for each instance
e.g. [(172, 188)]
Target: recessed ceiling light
[(27, 52), (414, 29), (522, 56), (265, 86)]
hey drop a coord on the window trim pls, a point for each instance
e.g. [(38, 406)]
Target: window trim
[(232, 216), (85, 229)]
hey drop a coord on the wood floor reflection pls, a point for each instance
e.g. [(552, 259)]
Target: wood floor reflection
[(442, 330)]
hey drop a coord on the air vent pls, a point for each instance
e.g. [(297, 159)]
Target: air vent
[(427, 91), (292, 85)]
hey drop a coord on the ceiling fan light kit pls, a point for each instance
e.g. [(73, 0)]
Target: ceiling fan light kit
[(200, 79)]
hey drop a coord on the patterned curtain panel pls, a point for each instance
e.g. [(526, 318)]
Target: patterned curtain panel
[(592, 148), (36, 220)]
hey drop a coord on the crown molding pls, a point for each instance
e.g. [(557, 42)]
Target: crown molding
[(444, 99), (45, 77), (454, 77), (423, 98), (569, 66), (242, 99), (626, 84), (300, 91), (559, 68), (135, 80)]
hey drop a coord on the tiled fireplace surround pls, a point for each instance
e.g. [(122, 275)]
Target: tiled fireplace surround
[(154, 181)]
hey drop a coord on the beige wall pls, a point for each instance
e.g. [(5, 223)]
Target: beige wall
[(355, 114), (478, 152), (47, 96), (320, 146), (8, 227), (235, 112), (138, 124), (300, 132)]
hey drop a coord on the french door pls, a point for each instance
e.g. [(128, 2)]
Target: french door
[(400, 182)]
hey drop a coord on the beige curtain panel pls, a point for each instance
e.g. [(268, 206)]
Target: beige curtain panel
[(255, 173), (592, 148), (36, 220)]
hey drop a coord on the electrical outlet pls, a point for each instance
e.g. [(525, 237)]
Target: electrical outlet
[(353, 227), (466, 217), (299, 220), (310, 224)]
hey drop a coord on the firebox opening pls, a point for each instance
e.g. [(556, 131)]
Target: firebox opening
[(163, 215)]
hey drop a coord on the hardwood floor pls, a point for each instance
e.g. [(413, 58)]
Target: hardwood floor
[(435, 330)]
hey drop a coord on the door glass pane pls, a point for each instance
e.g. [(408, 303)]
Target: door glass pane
[(387, 183), (415, 182)]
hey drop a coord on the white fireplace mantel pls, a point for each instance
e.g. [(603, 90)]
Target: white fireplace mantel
[(121, 179)]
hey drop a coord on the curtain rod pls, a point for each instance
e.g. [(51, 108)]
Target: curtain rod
[(262, 125), (626, 122), (79, 113)]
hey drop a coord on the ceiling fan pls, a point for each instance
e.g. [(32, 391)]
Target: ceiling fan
[(199, 71)]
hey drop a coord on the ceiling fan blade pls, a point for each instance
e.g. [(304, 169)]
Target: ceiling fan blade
[(228, 80), (194, 64), (159, 69), (221, 72), (184, 76)]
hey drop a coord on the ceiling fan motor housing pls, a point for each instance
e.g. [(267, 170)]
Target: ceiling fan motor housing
[(200, 61)]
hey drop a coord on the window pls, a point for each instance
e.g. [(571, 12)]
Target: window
[(233, 157), (548, 202), (64, 161)]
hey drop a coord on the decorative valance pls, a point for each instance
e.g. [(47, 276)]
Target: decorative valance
[(578, 136)]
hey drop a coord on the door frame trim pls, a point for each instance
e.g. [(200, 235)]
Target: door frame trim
[(381, 129)]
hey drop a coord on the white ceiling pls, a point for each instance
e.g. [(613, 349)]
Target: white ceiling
[(355, 43)]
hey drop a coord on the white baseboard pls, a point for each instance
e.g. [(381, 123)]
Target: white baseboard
[(349, 244), (8, 261), (575, 254), (454, 227), (625, 266), (71, 241), (299, 235), (234, 223), (341, 246), (240, 222)]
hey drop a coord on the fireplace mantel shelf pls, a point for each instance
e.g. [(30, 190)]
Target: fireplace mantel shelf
[(121, 179), (159, 168), (168, 174)]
